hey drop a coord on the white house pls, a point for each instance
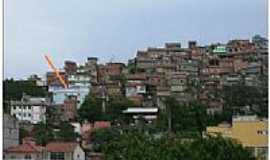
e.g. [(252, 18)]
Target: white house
[(32, 109), (65, 151)]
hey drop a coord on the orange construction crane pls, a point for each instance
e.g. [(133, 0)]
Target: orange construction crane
[(56, 71)]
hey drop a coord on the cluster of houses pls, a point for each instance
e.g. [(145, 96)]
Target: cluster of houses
[(54, 150), (194, 73)]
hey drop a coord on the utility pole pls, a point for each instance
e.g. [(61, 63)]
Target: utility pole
[(103, 98), (169, 113), (169, 119)]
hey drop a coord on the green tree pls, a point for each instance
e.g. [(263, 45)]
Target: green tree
[(183, 118), (54, 115), (218, 148), (22, 133), (161, 124), (115, 108), (103, 137), (91, 109), (136, 146), (66, 132), (13, 90), (43, 133), (239, 96)]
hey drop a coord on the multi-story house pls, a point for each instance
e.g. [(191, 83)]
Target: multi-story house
[(135, 84), (252, 68), (165, 68), (70, 67), (60, 94), (238, 46), (190, 67), (135, 88), (249, 131), (91, 68), (113, 88), (178, 83), (115, 69), (79, 79), (31, 109), (52, 80)]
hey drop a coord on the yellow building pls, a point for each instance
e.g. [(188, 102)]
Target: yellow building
[(250, 131)]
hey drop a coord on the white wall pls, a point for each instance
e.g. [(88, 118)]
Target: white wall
[(78, 154)]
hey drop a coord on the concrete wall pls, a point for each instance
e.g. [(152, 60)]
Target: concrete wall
[(21, 156), (11, 131), (78, 154)]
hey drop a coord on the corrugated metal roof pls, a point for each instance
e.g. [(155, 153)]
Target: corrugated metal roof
[(141, 110)]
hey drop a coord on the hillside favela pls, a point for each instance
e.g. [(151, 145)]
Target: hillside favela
[(199, 102)]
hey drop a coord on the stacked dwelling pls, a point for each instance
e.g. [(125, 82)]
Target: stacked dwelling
[(135, 88), (30, 109), (78, 79), (200, 72), (195, 73), (165, 76)]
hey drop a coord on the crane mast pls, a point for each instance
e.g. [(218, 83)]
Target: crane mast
[(56, 71)]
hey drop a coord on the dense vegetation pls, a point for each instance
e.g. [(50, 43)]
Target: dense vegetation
[(44, 133), (13, 89), (187, 119), (133, 145), (91, 109), (237, 97), (178, 133)]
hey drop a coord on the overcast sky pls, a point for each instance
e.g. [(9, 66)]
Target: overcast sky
[(116, 29)]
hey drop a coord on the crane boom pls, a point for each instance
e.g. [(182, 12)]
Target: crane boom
[(56, 71)]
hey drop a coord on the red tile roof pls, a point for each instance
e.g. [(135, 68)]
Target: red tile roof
[(61, 146), (25, 148), (101, 124)]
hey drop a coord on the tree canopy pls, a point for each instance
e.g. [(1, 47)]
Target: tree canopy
[(237, 97), (44, 133), (13, 90), (91, 109), (127, 145), (182, 118)]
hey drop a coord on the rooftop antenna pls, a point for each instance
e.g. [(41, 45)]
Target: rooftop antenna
[(112, 59)]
